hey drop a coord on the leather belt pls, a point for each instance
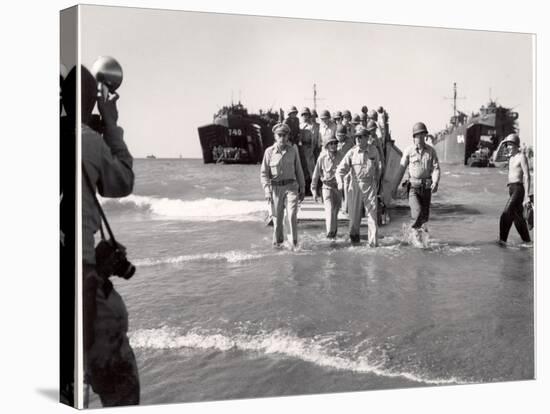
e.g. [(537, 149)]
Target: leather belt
[(283, 182)]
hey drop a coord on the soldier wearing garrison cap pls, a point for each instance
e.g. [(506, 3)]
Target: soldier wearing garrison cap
[(423, 166), (283, 182)]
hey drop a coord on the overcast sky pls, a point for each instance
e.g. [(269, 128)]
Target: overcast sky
[(180, 67)]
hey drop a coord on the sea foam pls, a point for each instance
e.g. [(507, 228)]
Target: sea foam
[(232, 256), (313, 350)]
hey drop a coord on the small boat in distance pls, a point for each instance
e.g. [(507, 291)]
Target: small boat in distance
[(151, 157)]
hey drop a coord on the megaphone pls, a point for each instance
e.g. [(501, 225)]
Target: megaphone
[(108, 71)]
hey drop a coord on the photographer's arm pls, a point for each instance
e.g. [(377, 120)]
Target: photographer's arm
[(116, 178)]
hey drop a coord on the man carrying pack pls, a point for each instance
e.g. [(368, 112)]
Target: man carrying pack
[(283, 182), (424, 173), (363, 162), (519, 183), (110, 364)]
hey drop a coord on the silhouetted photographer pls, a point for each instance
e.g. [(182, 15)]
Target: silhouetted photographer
[(109, 362)]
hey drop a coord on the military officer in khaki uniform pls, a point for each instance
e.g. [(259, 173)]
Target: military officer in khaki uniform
[(424, 173), (345, 143), (325, 170), (363, 161), (282, 178)]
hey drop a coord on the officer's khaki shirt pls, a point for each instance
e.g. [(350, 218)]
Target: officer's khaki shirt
[(325, 169), (310, 134), (422, 164), (364, 166), (279, 165), (325, 132)]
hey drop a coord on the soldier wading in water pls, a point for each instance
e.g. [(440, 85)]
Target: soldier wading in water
[(519, 183)]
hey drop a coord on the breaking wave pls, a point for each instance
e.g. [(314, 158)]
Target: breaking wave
[(316, 350), (206, 209)]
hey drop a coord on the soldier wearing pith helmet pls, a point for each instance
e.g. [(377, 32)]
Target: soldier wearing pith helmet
[(423, 166)]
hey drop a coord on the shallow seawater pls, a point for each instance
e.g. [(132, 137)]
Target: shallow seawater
[(217, 313)]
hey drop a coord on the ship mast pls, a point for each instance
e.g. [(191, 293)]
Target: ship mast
[(314, 96), (315, 99), (454, 98)]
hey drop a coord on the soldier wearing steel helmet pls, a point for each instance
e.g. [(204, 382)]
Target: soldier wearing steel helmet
[(345, 144), (283, 182), (364, 120), (424, 173), (327, 128), (519, 183), (383, 124), (325, 172), (309, 137), (346, 121), (337, 117), (294, 124), (372, 129), (363, 163), (316, 148)]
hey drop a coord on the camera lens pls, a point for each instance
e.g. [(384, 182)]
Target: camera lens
[(130, 270)]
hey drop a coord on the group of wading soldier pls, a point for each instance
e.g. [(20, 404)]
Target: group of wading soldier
[(344, 158)]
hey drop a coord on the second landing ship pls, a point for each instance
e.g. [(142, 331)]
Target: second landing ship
[(472, 139)]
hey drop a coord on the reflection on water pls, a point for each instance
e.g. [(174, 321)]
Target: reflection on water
[(212, 301)]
